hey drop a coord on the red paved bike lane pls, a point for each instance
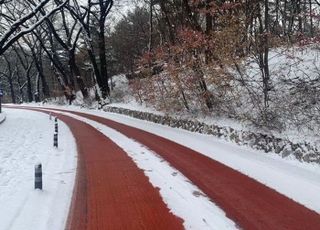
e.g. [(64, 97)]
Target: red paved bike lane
[(111, 192), (249, 203)]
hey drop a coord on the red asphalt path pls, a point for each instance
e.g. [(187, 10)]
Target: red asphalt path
[(111, 192), (249, 203)]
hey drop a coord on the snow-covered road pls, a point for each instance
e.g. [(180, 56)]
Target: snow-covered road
[(26, 139)]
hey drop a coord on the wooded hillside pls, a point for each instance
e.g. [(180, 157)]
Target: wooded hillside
[(196, 56)]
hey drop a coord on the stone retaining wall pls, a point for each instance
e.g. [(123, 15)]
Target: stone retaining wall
[(302, 151)]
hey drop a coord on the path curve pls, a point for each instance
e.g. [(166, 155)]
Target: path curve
[(249, 203), (111, 192)]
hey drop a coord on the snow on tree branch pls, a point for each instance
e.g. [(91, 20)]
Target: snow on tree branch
[(14, 30)]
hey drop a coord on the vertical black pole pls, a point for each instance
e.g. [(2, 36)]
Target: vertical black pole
[(55, 140), (38, 176)]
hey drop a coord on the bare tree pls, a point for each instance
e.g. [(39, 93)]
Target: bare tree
[(9, 73), (68, 37), (92, 17), (26, 62), (15, 22), (37, 54)]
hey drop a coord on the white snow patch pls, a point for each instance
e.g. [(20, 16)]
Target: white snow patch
[(26, 138), (133, 105)]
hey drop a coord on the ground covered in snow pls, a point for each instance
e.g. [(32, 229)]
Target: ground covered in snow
[(26, 138), (296, 180), (23, 145)]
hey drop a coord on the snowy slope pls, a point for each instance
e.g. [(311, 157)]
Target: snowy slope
[(25, 140), (294, 100)]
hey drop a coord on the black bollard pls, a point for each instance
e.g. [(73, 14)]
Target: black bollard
[(56, 119), (38, 176), (55, 140), (56, 127)]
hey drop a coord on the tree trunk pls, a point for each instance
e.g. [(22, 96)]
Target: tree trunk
[(44, 84), (166, 16), (209, 24), (266, 80), (190, 16), (311, 20), (37, 93), (76, 73), (29, 88), (13, 96), (150, 45), (103, 63)]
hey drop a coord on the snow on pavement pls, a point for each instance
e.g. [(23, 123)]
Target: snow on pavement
[(182, 197), (296, 180), (26, 138)]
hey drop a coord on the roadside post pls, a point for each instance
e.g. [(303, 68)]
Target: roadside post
[(55, 140), (38, 176), (56, 127), (55, 135)]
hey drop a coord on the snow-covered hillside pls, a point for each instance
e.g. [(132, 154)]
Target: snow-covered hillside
[(294, 94), (294, 84)]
